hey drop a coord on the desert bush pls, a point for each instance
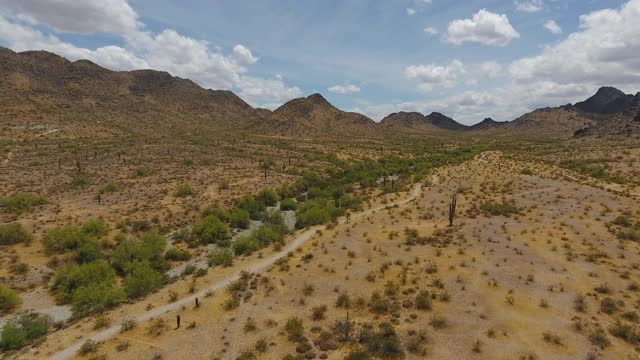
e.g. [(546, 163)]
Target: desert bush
[(599, 338), (150, 248), (9, 299), (175, 254), (88, 252), (239, 218), (64, 238), (245, 245), (211, 230), (318, 312), (24, 330), (288, 204), (142, 279), (88, 287), (358, 355), (316, 212), (423, 300), (220, 213), (384, 343), (625, 331), (221, 257), (498, 209), (379, 304), (96, 228), (268, 197), (13, 233), (21, 203), (295, 329), (184, 190), (609, 306), (252, 205)]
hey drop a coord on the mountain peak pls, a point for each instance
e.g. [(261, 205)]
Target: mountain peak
[(609, 91), (607, 100), (318, 99)]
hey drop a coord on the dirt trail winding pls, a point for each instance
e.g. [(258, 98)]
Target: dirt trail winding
[(261, 266)]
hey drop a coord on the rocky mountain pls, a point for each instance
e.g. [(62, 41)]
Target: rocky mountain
[(554, 121), (607, 100), (41, 89), (487, 124), (624, 124), (314, 114), (418, 121)]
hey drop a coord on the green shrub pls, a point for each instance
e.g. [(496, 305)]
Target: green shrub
[(268, 197), (294, 329), (13, 233), (184, 190), (358, 355), (142, 279), (80, 181), (423, 301), (150, 247), (174, 254), (9, 299), (88, 252), (499, 209), (96, 228), (253, 206), (73, 277), (245, 245), (221, 257), (20, 332), (384, 342), (630, 233), (239, 219), (64, 238), (218, 212), (71, 237), (211, 230), (96, 297), (316, 212), (13, 338), (288, 204), (21, 203)]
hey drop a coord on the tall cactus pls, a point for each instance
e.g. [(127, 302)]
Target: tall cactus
[(452, 209)]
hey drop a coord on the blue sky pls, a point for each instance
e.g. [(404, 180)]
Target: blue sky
[(467, 59)]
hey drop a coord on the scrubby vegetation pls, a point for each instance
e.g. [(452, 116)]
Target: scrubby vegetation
[(9, 299), (21, 203), (22, 331), (13, 233)]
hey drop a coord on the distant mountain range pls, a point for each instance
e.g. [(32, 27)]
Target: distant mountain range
[(41, 89)]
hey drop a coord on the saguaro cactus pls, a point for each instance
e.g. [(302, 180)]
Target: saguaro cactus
[(452, 209)]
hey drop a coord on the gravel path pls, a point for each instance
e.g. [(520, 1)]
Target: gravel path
[(260, 266)]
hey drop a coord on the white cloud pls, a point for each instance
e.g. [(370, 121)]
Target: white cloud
[(530, 6), (553, 27), (411, 11), (272, 91), (77, 16), (491, 69), (243, 56), (431, 75), (167, 50), (604, 51), (344, 89), (484, 27), (431, 30)]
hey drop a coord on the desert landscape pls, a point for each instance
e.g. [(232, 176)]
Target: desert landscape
[(144, 215)]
